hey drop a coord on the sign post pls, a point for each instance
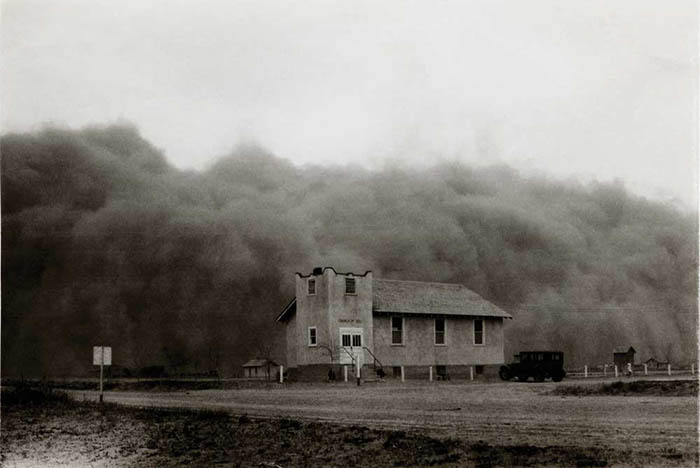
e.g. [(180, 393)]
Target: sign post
[(102, 356)]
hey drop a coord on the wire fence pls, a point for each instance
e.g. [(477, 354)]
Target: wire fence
[(610, 370)]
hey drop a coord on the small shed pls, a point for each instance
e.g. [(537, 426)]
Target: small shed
[(262, 369), (623, 355), (653, 363)]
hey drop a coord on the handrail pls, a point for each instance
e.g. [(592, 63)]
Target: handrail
[(374, 363), (352, 356)]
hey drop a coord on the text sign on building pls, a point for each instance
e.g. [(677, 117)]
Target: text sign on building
[(102, 355)]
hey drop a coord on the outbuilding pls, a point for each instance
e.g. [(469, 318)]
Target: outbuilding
[(389, 326), (263, 369), (653, 363), (622, 356)]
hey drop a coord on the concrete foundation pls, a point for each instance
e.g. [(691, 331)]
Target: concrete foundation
[(319, 372)]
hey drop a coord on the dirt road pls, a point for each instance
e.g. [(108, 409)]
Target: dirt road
[(500, 413)]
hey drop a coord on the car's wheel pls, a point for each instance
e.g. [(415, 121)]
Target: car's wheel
[(539, 376), (557, 377), (504, 373)]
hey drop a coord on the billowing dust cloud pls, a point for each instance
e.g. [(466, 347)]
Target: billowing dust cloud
[(104, 242)]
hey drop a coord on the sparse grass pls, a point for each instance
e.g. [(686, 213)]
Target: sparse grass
[(148, 385), (25, 394), (44, 427), (634, 388), (58, 432)]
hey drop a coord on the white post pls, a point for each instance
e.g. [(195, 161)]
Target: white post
[(615, 370), (692, 369), (646, 370), (403, 377), (102, 362), (585, 371), (471, 372), (669, 368), (357, 365), (605, 370), (430, 373), (281, 374), (345, 372)]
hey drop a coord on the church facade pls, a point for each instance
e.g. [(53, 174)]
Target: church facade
[(388, 327)]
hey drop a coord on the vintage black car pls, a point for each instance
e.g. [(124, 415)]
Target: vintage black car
[(539, 365)]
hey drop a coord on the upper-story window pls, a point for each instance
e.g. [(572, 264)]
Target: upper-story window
[(440, 331), (349, 285), (312, 286), (478, 332), (396, 330)]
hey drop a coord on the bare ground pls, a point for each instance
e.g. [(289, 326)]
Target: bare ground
[(389, 424)]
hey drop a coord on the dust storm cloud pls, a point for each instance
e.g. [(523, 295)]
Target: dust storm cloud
[(104, 242)]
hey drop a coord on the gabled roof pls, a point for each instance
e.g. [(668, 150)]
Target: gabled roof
[(623, 350), (653, 359), (415, 297), (259, 363)]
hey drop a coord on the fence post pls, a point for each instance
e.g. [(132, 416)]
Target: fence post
[(281, 374), (403, 377), (646, 370), (430, 373), (345, 372), (669, 368), (585, 371), (471, 372), (692, 369), (615, 370), (605, 370), (357, 365)]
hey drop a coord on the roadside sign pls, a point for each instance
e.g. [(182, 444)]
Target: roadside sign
[(102, 355)]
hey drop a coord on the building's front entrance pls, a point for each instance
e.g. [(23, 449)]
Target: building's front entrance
[(351, 343)]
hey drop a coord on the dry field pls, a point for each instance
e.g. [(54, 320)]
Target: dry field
[(377, 424)]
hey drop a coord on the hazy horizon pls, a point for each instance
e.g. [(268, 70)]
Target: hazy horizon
[(115, 245)]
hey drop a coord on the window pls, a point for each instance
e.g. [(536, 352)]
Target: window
[(440, 331), (396, 370), (479, 370), (312, 286), (346, 340), (357, 341), (396, 330), (312, 336), (478, 331), (349, 285)]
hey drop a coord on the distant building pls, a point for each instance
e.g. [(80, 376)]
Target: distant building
[(262, 369), (653, 363), (341, 319), (622, 356)]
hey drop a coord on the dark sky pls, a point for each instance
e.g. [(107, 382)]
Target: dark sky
[(105, 242)]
